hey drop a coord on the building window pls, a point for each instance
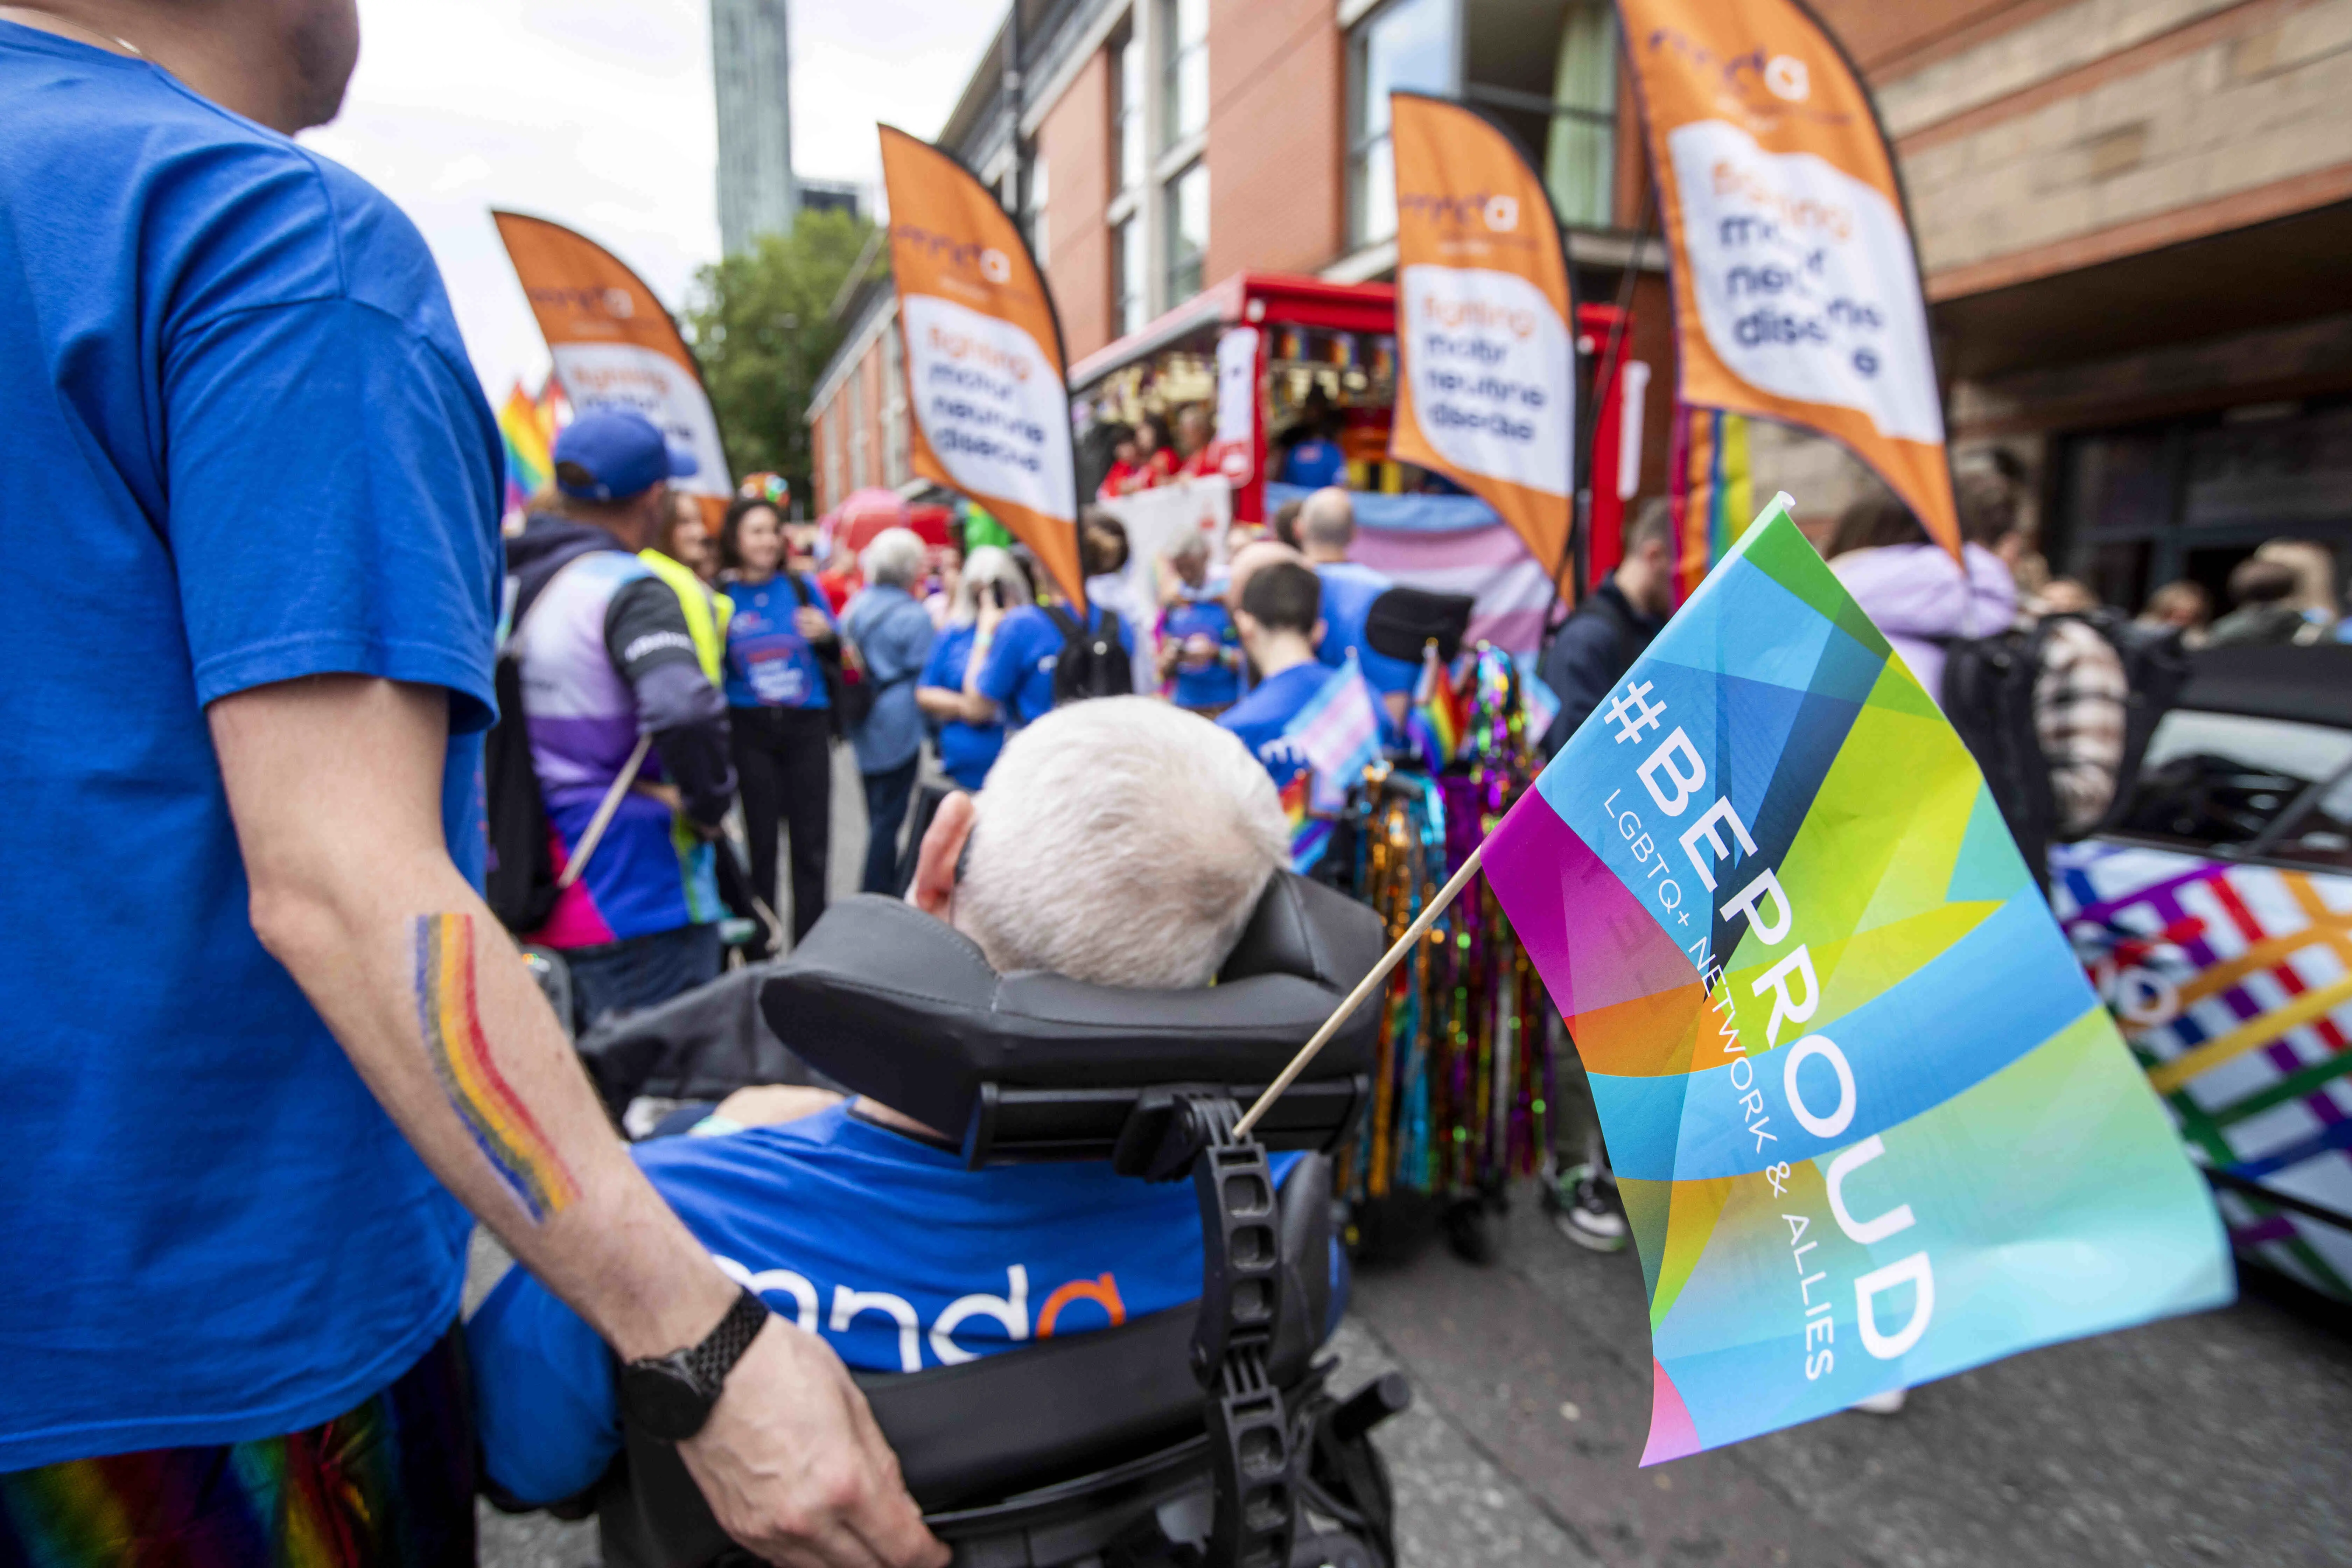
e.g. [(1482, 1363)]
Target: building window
[(1130, 304), (1409, 45), (1184, 87), (1580, 153), (1128, 151), (853, 390), (1186, 225), (1037, 193), (1547, 73), (898, 465)]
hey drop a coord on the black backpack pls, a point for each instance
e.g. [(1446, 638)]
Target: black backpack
[(1987, 695), (1091, 663), (520, 884)]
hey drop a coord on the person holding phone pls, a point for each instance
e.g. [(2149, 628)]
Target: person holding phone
[(991, 584)]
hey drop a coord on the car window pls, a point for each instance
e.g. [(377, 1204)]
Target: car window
[(2222, 779)]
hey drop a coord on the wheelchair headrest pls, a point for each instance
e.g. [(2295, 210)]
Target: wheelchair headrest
[(1402, 620), (900, 1006)]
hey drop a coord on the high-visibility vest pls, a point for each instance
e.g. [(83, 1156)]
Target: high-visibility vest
[(707, 614)]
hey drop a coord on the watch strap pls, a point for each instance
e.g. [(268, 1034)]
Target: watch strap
[(716, 1356)]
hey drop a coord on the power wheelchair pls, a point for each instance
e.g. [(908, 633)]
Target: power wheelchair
[(1184, 1439)]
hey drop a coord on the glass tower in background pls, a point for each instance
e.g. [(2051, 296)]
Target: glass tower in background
[(751, 60)]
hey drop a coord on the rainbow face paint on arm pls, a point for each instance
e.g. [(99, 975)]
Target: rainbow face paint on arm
[(503, 1127)]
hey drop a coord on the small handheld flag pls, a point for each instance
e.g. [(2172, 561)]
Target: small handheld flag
[(1434, 722), (1871, 1124), (1337, 734)]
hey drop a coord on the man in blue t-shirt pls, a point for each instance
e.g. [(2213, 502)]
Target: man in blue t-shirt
[(1280, 619), (1327, 530), (238, 392), (864, 1226)]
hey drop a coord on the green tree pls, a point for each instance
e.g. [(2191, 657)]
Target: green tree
[(762, 327)]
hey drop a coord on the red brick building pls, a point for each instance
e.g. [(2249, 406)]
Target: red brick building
[(2131, 215)]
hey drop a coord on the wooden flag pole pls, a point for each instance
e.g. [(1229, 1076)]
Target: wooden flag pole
[(1364, 987)]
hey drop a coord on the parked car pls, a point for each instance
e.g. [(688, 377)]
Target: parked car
[(2217, 921)]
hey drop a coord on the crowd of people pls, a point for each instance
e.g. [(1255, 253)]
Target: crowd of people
[(270, 1056), (746, 657)]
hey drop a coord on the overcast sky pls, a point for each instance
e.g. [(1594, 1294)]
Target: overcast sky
[(597, 113)]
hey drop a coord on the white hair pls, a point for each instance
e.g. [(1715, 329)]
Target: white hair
[(1327, 519), (989, 564), (1120, 842), (894, 558)]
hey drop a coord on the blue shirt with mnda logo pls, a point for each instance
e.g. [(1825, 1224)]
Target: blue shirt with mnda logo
[(885, 1246), (769, 663)]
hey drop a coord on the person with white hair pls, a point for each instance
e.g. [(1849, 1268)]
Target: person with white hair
[(990, 584), (892, 634), (864, 1223), (1327, 533)]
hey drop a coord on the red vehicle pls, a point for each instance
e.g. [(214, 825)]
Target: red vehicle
[(1257, 347)]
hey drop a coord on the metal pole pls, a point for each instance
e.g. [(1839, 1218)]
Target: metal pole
[(1364, 987)]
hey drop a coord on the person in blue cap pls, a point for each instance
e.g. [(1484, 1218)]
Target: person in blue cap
[(611, 675)]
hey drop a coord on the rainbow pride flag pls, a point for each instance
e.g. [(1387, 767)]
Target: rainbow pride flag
[(1433, 723), (1310, 835), (1871, 1124), (1709, 489), (527, 428)]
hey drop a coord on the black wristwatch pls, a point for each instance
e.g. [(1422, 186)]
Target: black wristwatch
[(670, 1396)]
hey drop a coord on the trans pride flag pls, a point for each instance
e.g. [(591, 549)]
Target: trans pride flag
[(1871, 1124), (1337, 734)]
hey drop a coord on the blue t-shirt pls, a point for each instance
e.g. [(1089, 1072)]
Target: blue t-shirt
[(1204, 615), (769, 663), (888, 1248), (240, 443), (1348, 590), (1019, 675), (966, 750), (1260, 718), (1314, 463)]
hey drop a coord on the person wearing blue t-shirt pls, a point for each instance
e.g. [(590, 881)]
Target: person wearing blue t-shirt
[(1280, 620), (1315, 462), (240, 1168), (779, 710), (1200, 652), (1013, 677), (865, 1226), (1327, 530), (990, 584)]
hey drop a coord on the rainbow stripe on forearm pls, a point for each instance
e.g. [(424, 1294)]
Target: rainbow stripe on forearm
[(503, 1127)]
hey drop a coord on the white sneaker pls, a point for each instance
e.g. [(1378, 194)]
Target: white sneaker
[(1887, 1403)]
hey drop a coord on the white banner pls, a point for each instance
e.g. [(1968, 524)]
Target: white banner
[(627, 375), (992, 406), (1491, 373), (1806, 283)]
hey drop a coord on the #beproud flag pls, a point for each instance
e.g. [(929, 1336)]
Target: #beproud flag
[(1871, 1124)]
